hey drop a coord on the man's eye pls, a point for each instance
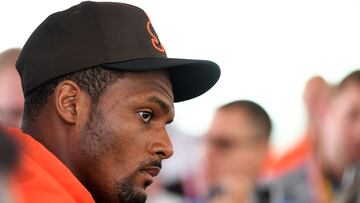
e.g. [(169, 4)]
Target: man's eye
[(145, 115)]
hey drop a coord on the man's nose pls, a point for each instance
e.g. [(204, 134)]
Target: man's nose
[(161, 145)]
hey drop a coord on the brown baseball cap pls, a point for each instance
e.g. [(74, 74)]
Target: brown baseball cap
[(112, 35)]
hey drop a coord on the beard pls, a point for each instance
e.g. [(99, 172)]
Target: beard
[(127, 192), (97, 142)]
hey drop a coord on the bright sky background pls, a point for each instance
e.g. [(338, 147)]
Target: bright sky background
[(267, 49)]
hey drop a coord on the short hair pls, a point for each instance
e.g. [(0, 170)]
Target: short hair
[(353, 78), (256, 113), (93, 81), (8, 57)]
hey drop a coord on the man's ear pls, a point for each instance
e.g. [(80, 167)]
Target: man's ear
[(67, 95)]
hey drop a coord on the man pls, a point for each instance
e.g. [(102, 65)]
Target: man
[(11, 95), (331, 174), (340, 142), (317, 96), (99, 91), (236, 145)]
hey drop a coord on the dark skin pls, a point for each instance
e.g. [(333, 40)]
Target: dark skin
[(115, 148)]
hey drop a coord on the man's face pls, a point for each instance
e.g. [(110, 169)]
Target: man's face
[(11, 98), (125, 140), (234, 147), (344, 123)]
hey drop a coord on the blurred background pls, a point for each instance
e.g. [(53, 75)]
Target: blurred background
[(267, 50)]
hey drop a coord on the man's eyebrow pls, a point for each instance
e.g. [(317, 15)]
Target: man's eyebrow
[(163, 105)]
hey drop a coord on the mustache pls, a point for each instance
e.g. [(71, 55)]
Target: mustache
[(150, 164), (153, 163)]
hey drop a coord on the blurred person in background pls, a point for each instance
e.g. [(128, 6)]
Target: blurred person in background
[(236, 145), (8, 162), (332, 172), (11, 95), (340, 144), (316, 97)]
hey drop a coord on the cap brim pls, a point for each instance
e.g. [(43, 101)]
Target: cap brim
[(189, 78)]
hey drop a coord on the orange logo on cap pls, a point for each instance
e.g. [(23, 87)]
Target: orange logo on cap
[(154, 39)]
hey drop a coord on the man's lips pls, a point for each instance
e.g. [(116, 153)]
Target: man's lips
[(151, 171)]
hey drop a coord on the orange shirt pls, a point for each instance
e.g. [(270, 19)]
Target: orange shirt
[(274, 167), (294, 157), (42, 178)]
